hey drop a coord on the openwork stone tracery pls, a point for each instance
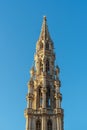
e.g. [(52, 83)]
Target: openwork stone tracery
[(44, 110)]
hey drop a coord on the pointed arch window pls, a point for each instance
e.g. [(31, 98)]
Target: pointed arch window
[(47, 66), (48, 100), (38, 125), (49, 125), (47, 46), (39, 100)]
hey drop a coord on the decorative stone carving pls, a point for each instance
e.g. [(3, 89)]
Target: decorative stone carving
[(44, 97)]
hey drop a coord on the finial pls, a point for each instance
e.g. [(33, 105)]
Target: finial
[(44, 18)]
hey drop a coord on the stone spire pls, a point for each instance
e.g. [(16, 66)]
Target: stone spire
[(44, 40), (44, 35), (44, 98)]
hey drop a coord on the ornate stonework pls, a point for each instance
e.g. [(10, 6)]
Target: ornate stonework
[(44, 110)]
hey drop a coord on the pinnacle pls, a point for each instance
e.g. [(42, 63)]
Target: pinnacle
[(44, 17), (44, 35)]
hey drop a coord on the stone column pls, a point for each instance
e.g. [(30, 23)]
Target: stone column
[(44, 98), (35, 100), (27, 123), (58, 125), (44, 123), (54, 124), (33, 124), (57, 103), (30, 103), (30, 123)]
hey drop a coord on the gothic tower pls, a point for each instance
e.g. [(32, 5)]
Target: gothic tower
[(44, 110)]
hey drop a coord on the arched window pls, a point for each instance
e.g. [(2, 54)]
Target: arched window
[(41, 45), (48, 100), (47, 46), (49, 125), (38, 125), (39, 99), (47, 66)]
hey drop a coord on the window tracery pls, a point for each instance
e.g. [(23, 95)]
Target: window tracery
[(38, 125), (48, 100), (47, 66), (47, 46), (49, 125), (39, 98)]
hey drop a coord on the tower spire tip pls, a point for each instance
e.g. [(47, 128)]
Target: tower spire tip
[(44, 17)]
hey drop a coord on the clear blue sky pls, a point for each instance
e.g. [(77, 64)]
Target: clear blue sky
[(20, 24)]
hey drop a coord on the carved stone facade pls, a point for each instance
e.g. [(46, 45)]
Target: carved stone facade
[(44, 110)]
